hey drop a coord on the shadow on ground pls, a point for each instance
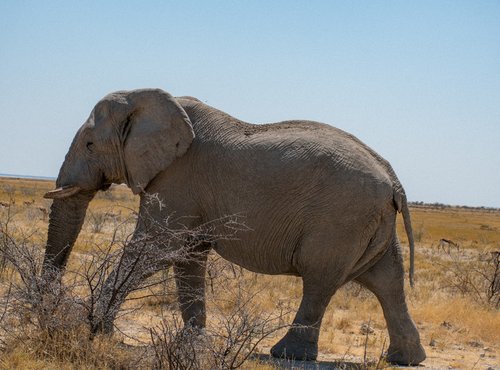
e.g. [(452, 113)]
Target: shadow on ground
[(307, 365)]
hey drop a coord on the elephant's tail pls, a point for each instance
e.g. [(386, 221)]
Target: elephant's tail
[(400, 202), (402, 206)]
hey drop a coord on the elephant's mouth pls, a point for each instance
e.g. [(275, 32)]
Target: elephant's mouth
[(70, 190)]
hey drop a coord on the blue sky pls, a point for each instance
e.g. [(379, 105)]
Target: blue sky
[(419, 81)]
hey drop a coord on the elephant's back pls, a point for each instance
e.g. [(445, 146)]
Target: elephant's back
[(324, 147), (293, 140), (323, 157)]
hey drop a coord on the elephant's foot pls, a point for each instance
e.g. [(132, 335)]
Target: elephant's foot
[(292, 346), (406, 354)]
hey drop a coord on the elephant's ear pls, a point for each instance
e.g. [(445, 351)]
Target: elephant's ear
[(156, 133)]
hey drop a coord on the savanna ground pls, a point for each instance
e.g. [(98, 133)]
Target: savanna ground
[(454, 305)]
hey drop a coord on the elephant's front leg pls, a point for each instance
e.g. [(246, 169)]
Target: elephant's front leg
[(301, 340), (190, 281), (136, 264)]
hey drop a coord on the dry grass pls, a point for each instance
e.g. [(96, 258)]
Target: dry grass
[(468, 227), (458, 329)]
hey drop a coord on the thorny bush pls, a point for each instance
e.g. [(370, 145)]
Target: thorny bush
[(54, 315), (476, 275)]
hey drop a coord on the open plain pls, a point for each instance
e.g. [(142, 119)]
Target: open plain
[(455, 302)]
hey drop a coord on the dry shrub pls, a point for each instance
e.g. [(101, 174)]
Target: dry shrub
[(96, 221), (52, 318), (44, 318), (236, 327), (227, 343), (476, 275)]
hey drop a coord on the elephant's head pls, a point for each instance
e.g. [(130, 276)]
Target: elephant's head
[(129, 138)]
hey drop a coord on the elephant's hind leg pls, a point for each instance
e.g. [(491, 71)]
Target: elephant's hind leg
[(385, 279)]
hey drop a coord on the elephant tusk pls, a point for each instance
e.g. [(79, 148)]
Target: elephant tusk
[(62, 192)]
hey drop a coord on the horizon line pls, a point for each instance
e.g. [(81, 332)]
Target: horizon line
[(412, 202)]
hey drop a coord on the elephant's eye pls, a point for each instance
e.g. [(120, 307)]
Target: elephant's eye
[(90, 146)]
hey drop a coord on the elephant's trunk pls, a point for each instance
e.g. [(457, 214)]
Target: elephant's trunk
[(65, 223)]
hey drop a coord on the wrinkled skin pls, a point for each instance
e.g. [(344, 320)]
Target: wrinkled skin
[(320, 204)]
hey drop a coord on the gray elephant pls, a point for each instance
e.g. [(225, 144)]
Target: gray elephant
[(321, 204)]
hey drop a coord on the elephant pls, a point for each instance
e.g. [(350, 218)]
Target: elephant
[(320, 204)]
